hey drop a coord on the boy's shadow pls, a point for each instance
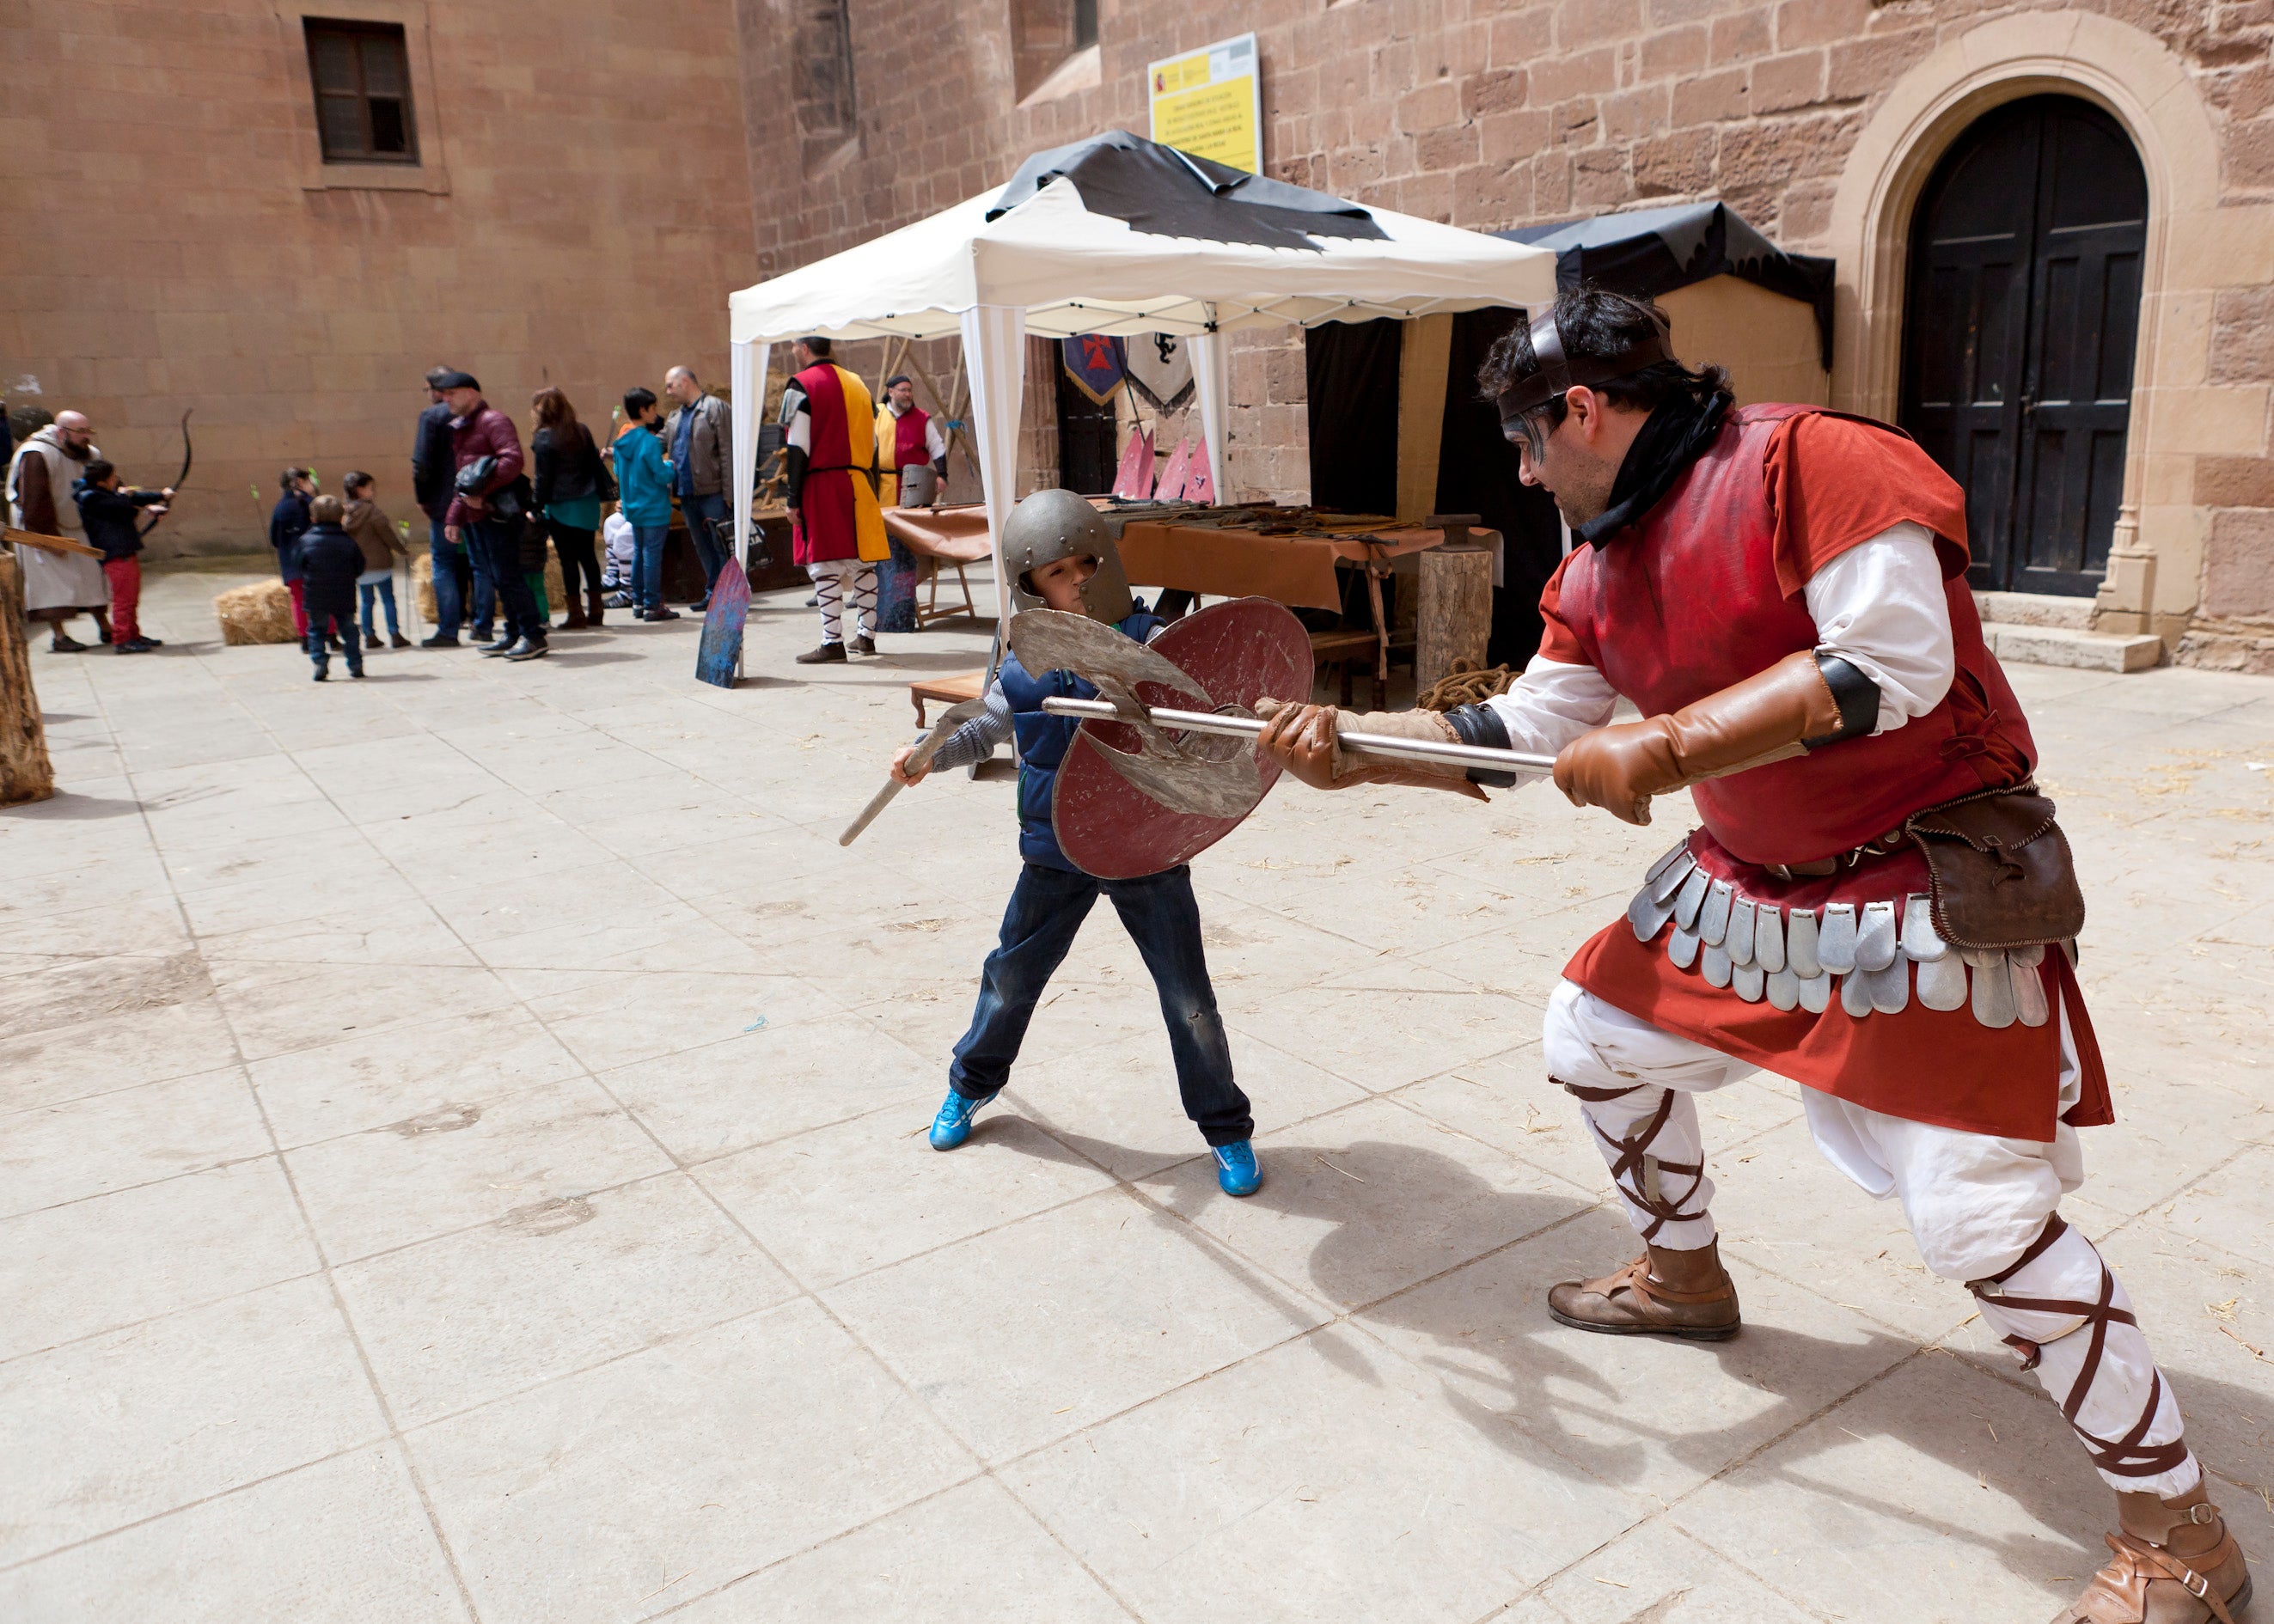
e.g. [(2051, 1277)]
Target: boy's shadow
[(1397, 1256)]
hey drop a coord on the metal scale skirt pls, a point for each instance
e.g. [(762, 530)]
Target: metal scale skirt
[(1792, 957)]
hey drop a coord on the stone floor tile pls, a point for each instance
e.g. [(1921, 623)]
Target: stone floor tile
[(397, 933), (1660, 1573), (634, 1016), (1326, 1479), (72, 1271), (1031, 1331), (1656, 1416), (114, 1049), (54, 1153), (128, 1426), (149, 923), (1392, 1025), (69, 991), (769, 1085), (1117, 1102), (277, 1008), (2231, 1206), (344, 1538), (1370, 1200), (678, 1468), (468, 1162), (1937, 1495), (972, 1552), (372, 1079), (841, 1200), (553, 1287)]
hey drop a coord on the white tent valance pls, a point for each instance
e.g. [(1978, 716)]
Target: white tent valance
[(1051, 264)]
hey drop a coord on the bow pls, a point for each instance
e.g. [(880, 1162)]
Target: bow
[(182, 478)]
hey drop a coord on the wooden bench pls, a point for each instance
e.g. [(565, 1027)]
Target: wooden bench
[(945, 690)]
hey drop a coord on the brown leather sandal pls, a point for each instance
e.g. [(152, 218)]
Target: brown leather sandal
[(2175, 1563), (1642, 1300)]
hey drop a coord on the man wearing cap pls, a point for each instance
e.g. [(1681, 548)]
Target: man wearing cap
[(911, 447), (1878, 904), (459, 588), (486, 510), (836, 529)]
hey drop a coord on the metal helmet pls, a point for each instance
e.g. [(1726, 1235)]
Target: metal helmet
[(1053, 524)]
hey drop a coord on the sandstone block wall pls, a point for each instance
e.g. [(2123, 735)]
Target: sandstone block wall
[(583, 208)]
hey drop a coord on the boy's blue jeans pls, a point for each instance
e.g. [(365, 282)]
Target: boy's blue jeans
[(647, 564), (1159, 912)]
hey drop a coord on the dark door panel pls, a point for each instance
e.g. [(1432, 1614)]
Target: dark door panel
[(2018, 342)]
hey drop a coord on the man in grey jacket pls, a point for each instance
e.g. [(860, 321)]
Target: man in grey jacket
[(697, 440)]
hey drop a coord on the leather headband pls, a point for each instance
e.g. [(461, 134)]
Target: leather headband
[(1556, 372)]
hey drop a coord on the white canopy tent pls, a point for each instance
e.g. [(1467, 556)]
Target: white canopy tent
[(1052, 265)]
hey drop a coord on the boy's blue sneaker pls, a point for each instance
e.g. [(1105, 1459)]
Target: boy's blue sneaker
[(1236, 1171), (952, 1126)]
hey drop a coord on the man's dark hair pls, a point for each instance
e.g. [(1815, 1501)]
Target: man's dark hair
[(898, 379), (98, 470), (637, 401), (357, 480), (435, 374), (819, 346), (284, 480), (1596, 324)]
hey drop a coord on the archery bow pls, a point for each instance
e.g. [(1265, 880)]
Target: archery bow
[(182, 478)]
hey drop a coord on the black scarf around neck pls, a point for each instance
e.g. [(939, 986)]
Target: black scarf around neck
[(1675, 435)]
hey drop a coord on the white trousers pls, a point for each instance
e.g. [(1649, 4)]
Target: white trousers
[(1976, 1204), (842, 584)]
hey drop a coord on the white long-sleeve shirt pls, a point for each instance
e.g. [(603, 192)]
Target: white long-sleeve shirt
[(1879, 607)]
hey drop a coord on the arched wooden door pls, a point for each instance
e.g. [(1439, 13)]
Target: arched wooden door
[(2022, 311)]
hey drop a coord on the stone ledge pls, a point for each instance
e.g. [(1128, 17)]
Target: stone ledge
[(2228, 646), (2062, 645), (2035, 609)]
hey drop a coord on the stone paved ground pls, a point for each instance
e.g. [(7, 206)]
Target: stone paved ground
[(408, 1217)]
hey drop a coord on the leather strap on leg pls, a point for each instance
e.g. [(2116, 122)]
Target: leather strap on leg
[(1633, 1169), (2119, 1591), (2121, 1457)]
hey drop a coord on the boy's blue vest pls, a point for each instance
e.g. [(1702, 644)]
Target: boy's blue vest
[(1043, 741)]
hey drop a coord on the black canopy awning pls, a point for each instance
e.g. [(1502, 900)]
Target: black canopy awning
[(1171, 192), (1653, 251)]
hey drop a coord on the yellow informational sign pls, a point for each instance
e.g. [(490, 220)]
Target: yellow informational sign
[(1211, 102)]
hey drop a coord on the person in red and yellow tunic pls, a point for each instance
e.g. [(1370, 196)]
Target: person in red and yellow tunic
[(1781, 592), (837, 530), (912, 448)]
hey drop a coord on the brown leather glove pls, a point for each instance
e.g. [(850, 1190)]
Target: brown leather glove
[(1305, 741), (1762, 720)]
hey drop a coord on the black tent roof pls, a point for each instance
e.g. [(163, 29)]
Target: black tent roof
[(1172, 192), (1648, 252)]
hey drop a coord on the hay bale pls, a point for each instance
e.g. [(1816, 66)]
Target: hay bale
[(422, 585), (261, 612)]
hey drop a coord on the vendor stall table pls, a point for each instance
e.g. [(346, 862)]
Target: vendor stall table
[(956, 535)]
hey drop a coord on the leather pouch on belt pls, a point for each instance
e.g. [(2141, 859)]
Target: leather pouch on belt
[(2000, 869)]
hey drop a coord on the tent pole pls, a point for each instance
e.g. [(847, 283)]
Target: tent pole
[(1212, 381), (994, 353), (748, 381)]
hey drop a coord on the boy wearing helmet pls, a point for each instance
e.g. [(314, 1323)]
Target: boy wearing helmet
[(1061, 556)]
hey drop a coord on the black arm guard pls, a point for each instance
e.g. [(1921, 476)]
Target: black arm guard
[(1857, 696), (793, 462), (1482, 724)]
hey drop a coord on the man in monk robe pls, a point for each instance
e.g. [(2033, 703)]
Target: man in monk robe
[(837, 530), (1781, 591)]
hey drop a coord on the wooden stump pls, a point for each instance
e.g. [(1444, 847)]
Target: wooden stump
[(1455, 616), (25, 773)]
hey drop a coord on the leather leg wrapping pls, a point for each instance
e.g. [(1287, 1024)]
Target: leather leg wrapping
[(2068, 1316), (1650, 1140)]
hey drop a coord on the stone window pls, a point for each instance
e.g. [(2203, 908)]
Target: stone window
[(827, 115), (1046, 38), (361, 73)]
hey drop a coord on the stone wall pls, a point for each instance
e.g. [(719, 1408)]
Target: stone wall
[(1492, 116), (582, 210)]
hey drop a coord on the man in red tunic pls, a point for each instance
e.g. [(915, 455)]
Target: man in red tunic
[(912, 448), (1781, 591), (837, 530)]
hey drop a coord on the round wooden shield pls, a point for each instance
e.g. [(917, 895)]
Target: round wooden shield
[(1237, 652)]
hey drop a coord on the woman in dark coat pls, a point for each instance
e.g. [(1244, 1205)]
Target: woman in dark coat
[(569, 487), (328, 559), (286, 523)]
